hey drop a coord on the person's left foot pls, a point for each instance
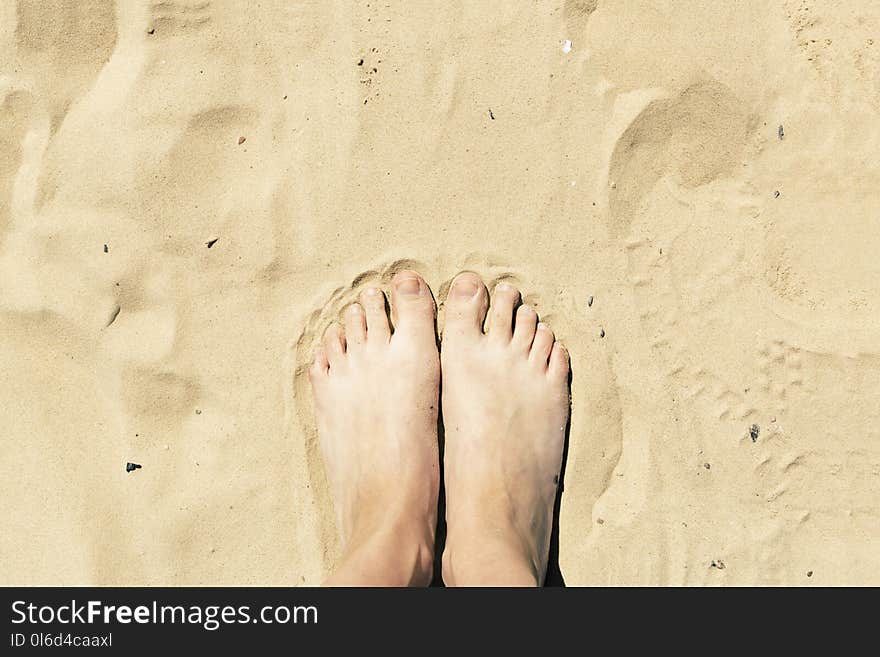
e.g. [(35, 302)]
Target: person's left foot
[(376, 404)]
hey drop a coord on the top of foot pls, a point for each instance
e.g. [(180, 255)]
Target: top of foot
[(376, 405), (505, 411)]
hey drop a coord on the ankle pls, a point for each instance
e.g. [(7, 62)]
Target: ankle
[(489, 563), (394, 554)]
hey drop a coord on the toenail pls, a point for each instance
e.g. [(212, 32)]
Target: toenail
[(464, 288), (409, 285), (543, 327), (372, 291), (504, 287), (354, 309), (526, 309)]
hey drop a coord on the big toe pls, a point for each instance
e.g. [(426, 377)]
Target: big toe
[(412, 305), (466, 306)]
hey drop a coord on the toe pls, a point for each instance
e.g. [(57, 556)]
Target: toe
[(320, 366), (504, 301), (334, 345), (373, 303), (466, 306), (541, 346), (558, 361), (355, 327), (524, 330), (412, 306)]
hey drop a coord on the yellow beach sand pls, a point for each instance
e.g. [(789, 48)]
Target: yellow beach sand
[(191, 191)]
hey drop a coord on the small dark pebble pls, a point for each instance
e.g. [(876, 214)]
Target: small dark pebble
[(809, 573), (131, 467), (776, 194), (589, 301), (781, 133), (212, 242), (718, 564), (601, 333), (198, 411), (241, 140), (754, 430), (599, 521), (491, 115), (361, 61), (152, 30), (106, 250), (708, 466)]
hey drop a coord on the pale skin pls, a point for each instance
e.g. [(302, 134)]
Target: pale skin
[(377, 382)]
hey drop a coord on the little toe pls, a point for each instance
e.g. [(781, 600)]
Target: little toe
[(465, 307), (334, 345), (320, 365), (412, 306), (559, 364), (504, 300), (373, 302), (541, 346), (355, 327)]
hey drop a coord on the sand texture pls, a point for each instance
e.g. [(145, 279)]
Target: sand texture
[(191, 191)]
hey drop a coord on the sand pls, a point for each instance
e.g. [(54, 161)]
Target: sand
[(190, 192)]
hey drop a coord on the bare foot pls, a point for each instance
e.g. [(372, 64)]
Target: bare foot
[(376, 405), (505, 408)]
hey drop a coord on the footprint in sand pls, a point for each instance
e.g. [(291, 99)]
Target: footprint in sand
[(754, 309), (677, 197), (696, 136)]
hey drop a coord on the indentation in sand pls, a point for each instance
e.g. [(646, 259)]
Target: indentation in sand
[(68, 43), (697, 135)]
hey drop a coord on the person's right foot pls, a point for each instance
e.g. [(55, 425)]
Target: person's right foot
[(505, 408)]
